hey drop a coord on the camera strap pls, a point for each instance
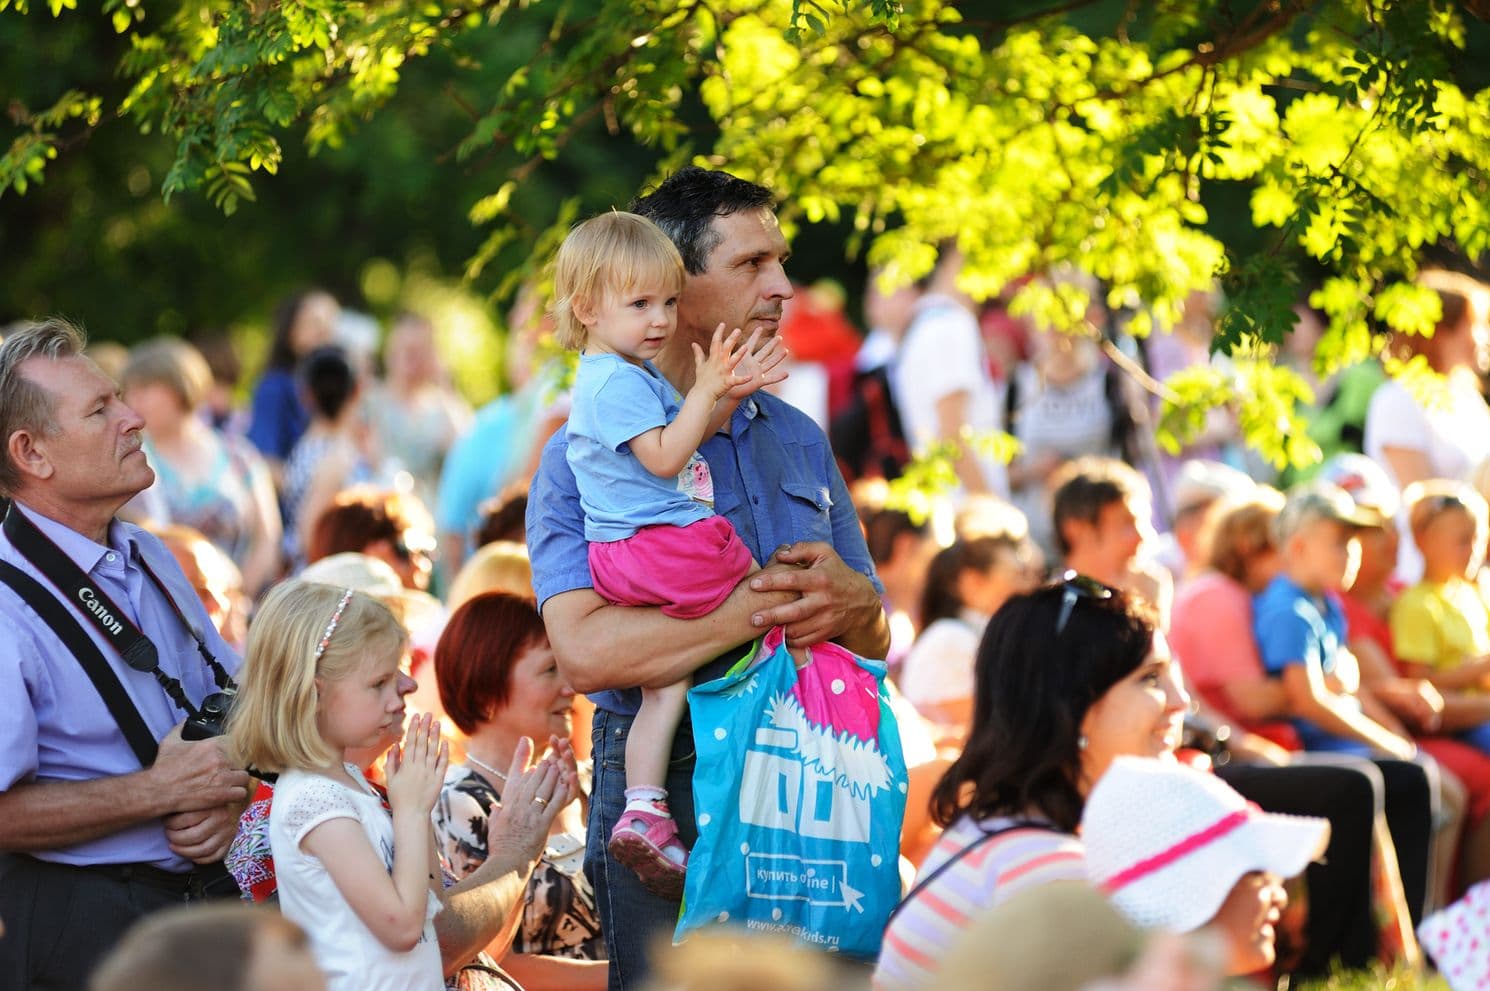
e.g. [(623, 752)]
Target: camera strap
[(103, 614), (89, 657), (219, 673)]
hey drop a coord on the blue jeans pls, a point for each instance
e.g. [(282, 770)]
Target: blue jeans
[(633, 919)]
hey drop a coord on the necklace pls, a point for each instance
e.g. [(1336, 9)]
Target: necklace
[(473, 759)]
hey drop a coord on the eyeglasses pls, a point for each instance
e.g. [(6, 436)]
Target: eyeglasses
[(1075, 585)]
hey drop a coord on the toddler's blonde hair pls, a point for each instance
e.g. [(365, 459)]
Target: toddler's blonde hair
[(273, 722), (1237, 531), (612, 253)]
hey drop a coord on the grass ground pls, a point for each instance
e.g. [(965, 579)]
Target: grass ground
[(1377, 979)]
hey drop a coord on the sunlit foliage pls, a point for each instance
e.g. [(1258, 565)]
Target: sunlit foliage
[(1091, 138)]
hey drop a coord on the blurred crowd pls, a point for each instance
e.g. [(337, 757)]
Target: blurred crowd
[(1316, 643)]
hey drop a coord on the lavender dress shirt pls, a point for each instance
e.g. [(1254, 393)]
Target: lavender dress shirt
[(53, 724)]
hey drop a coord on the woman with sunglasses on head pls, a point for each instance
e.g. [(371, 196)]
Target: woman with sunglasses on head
[(1077, 663), (1067, 678)]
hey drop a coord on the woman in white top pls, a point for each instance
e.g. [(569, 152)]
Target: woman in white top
[(941, 382), (416, 415), (1066, 402), (321, 683), (965, 585), (1450, 437)]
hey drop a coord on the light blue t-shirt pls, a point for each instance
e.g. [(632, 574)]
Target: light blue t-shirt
[(479, 457), (775, 480), (614, 402), (493, 451)]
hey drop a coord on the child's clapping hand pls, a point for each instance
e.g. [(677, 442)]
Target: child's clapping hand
[(736, 370), (761, 366), (416, 770), (715, 372)]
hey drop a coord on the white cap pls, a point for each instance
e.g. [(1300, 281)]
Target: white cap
[(1167, 842), (1363, 480), (1201, 481)]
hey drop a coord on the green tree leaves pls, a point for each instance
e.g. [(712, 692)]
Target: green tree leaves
[(25, 161), (1356, 131)]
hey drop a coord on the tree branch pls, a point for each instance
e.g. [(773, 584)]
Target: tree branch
[(989, 27), (1213, 53)]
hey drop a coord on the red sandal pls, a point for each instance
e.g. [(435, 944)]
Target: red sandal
[(640, 841)]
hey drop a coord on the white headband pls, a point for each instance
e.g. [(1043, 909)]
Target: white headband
[(331, 626)]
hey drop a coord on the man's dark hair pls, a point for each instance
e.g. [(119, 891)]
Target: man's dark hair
[(685, 204), (1084, 487)]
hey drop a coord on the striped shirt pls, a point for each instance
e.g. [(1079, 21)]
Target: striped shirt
[(935, 916)]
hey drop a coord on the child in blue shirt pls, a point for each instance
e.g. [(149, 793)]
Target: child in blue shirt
[(1301, 632)]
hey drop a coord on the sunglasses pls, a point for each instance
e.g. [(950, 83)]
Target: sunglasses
[(1438, 503), (1075, 585), (407, 553)]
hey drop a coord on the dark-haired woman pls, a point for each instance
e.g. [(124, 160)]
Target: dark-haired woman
[(498, 683), (1068, 678), (277, 417), (965, 585), (332, 455)]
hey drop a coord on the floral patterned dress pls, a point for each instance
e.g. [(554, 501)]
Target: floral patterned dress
[(560, 918)]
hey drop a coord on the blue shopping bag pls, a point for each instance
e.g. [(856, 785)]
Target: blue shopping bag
[(799, 794)]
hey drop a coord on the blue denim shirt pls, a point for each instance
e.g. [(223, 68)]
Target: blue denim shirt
[(775, 480)]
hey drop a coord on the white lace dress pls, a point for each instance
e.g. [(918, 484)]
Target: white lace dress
[(348, 952)]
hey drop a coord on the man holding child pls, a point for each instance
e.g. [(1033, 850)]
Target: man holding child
[(775, 481)]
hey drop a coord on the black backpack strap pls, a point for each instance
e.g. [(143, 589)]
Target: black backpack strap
[(1011, 400), (94, 664), (941, 868)]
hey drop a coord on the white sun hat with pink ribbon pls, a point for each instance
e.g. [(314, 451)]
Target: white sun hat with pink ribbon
[(1167, 842)]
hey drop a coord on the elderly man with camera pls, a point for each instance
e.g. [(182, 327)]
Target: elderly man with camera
[(108, 810)]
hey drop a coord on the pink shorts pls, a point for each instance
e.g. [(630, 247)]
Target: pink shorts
[(687, 570)]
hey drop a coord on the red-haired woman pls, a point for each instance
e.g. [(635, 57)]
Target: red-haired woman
[(498, 683)]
